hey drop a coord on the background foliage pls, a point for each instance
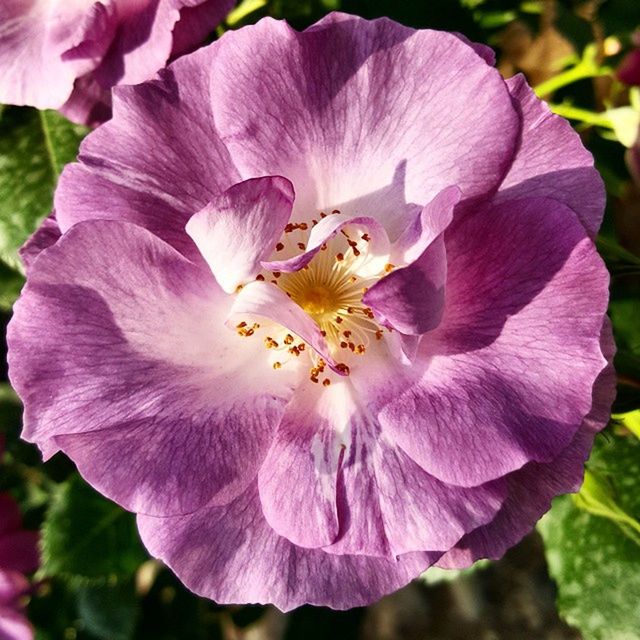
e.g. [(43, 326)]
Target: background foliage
[(96, 580)]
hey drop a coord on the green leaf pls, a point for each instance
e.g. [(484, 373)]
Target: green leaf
[(11, 282), (108, 612), (34, 146), (593, 558), (85, 536)]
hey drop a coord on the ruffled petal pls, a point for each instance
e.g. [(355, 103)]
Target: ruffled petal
[(552, 162), (197, 21), (326, 229), (532, 488), (156, 163), (506, 377), (332, 479), (119, 353), (46, 235), (351, 110), (45, 46), (230, 554), (239, 229), (297, 480)]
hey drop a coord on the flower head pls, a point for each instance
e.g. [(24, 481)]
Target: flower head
[(67, 54), (326, 310)]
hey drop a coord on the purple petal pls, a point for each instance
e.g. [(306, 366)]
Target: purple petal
[(332, 479), (10, 519), (196, 23), (14, 625), (411, 299), (46, 235), (120, 357), (389, 506), (514, 359), (361, 131), (44, 47), (532, 488), (552, 162), (19, 551), (156, 163), (298, 477), (239, 228), (249, 562)]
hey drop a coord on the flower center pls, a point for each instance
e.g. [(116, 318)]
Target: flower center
[(330, 289)]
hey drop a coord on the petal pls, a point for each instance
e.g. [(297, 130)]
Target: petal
[(157, 162), (230, 554), (12, 585), (89, 103), (297, 480), (45, 46), (506, 377), (332, 479), (552, 161), (362, 116), (532, 488), (239, 228), (143, 43), (411, 300), (388, 505), (268, 301), (629, 69), (429, 223), (46, 235), (196, 23), (118, 351), (14, 625)]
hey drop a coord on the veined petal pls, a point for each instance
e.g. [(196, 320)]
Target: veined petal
[(45, 45), (239, 229), (125, 364), (506, 378), (551, 161), (532, 488), (362, 130), (250, 562)]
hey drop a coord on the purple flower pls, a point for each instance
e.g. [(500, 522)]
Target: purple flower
[(18, 555), (67, 54), (326, 310)]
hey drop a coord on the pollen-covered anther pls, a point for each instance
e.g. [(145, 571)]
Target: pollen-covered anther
[(326, 382), (343, 368), (288, 339), (270, 343), (389, 267), (277, 365), (244, 330)]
